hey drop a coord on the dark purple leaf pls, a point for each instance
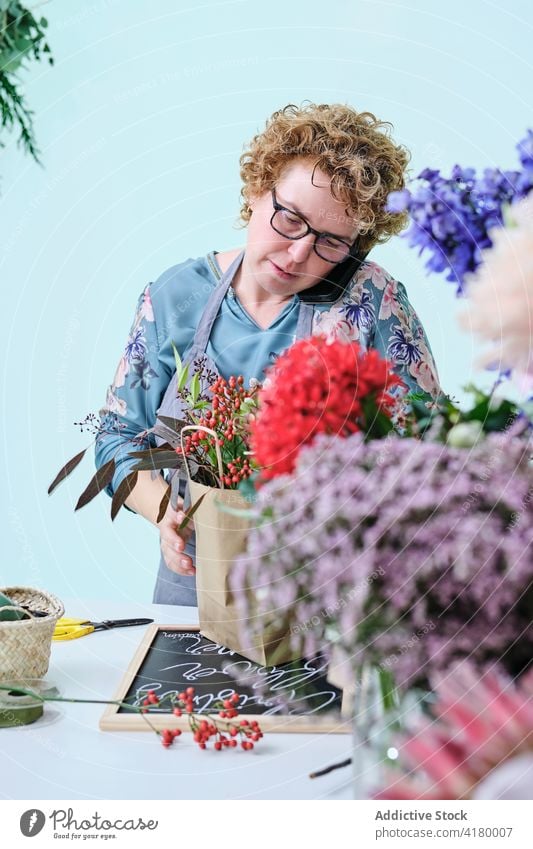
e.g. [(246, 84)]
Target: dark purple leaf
[(149, 452), (102, 478), (123, 490), (66, 470), (172, 438), (158, 459), (190, 513), (164, 504)]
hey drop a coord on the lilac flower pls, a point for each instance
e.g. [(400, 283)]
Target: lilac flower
[(407, 553), (451, 217)]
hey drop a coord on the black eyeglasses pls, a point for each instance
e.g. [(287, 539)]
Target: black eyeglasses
[(292, 225)]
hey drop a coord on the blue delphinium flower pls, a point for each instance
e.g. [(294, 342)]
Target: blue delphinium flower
[(452, 216)]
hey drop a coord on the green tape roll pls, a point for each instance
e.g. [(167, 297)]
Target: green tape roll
[(11, 717), (17, 709)]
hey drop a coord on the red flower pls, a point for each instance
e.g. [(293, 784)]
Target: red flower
[(318, 387)]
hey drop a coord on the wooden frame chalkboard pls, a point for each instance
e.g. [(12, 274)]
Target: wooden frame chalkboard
[(173, 657)]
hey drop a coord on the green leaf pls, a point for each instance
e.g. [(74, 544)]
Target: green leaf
[(101, 479), (177, 359), (195, 388), (376, 423), (479, 412), (501, 418), (9, 63), (124, 489), (66, 470), (183, 377)]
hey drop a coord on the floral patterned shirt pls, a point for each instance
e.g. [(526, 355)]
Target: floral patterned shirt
[(375, 311)]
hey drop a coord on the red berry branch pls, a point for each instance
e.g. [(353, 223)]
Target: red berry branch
[(223, 729), (232, 410), (224, 734)]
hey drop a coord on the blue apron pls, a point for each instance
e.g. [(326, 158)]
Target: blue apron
[(171, 588)]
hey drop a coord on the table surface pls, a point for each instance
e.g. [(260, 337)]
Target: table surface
[(65, 756)]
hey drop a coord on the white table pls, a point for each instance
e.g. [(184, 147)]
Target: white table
[(65, 756)]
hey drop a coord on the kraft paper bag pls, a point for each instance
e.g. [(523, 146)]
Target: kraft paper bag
[(220, 537)]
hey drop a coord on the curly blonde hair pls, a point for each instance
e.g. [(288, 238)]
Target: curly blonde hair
[(353, 148)]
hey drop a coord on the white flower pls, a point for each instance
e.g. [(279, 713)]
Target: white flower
[(500, 295), (465, 434)]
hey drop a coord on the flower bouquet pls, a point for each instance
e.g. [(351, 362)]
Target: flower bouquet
[(317, 388), (215, 451), (230, 438), (208, 446), (218, 458)]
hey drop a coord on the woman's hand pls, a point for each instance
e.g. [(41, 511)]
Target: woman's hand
[(173, 541)]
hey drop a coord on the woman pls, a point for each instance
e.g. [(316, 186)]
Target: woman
[(315, 185)]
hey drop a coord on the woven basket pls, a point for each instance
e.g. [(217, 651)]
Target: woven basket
[(25, 644)]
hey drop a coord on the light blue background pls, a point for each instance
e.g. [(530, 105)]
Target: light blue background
[(141, 123)]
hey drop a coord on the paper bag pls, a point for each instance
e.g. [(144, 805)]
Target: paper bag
[(220, 537)]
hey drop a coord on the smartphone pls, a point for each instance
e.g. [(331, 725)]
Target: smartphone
[(332, 287)]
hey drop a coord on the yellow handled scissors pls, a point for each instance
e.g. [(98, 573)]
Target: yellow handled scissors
[(71, 629)]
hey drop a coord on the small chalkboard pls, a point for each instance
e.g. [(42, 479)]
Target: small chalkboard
[(291, 697)]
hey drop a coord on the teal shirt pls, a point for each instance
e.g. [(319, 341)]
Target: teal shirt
[(374, 310)]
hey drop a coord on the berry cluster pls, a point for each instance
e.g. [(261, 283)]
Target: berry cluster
[(229, 417), (204, 729)]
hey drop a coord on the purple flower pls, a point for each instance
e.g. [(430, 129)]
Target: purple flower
[(409, 554), (452, 216), (398, 201)]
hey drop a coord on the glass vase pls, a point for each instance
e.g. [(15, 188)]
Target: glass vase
[(378, 715)]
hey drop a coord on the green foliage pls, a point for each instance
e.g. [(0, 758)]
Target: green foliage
[(436, 420), (22, 38)]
